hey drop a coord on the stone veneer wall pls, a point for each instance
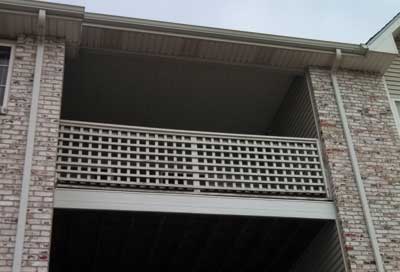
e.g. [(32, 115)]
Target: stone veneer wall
[(13, 134), (377, 146)]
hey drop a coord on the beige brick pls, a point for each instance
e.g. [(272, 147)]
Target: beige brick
[(13, 131), (377, 145)]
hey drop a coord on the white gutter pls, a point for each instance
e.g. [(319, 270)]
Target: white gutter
[(26, 176), (355, 165), (52, 9), (219, 34)]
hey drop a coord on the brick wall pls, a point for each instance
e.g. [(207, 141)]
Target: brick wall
[(378, 150), (13, 133)]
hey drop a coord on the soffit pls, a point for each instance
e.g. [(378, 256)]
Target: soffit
[(231, 52)]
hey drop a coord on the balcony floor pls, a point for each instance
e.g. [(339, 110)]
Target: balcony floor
[(121, 241)]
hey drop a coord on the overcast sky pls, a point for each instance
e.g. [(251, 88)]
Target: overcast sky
[(353, 21)]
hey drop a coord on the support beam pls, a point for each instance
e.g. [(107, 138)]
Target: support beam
[(66, 198)]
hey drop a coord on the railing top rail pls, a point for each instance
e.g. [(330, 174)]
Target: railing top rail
[(186, 132)]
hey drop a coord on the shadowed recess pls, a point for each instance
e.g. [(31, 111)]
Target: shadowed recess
[(122, 241)]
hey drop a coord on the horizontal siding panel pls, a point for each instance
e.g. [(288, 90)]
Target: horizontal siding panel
[(392, 77), (394, 67), (295, 117), (390, 73), (323, 254), (393, 88), (393, 81)]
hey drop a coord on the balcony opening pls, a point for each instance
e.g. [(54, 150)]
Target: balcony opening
[(120, 241), (162, 92), (161, 123)]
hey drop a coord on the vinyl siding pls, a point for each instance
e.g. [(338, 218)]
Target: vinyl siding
[(392, 77), (323, 254), (295, 116)]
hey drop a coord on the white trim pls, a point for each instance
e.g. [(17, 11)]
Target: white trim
[(392, 103), (69, 198), (396, 112), (184, 132), (3, 107)]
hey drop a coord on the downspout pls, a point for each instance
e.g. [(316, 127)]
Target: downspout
[(26, 176), (355, 165)]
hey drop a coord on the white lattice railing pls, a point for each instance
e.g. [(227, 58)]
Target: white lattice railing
[(94, 154)]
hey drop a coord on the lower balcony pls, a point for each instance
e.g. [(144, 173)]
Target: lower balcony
[(120, 157)]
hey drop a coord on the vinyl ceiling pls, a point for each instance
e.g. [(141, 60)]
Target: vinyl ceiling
[(162, 92)]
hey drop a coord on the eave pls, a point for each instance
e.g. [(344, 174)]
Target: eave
[(52, 9), (223, 46), (113, 33), (218, 34), (20, 17)]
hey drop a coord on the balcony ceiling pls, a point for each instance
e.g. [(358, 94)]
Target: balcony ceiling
[(161, 92), (124, 241)]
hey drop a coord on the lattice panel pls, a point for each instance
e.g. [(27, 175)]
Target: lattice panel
[(273, 166), (118, 156)]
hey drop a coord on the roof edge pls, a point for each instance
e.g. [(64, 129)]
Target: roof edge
[(51, 8), (112, 21), (358, 56), (384, 39), (103, 20)]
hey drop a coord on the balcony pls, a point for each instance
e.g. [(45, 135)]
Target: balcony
[(130, 157), (138, 184)]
